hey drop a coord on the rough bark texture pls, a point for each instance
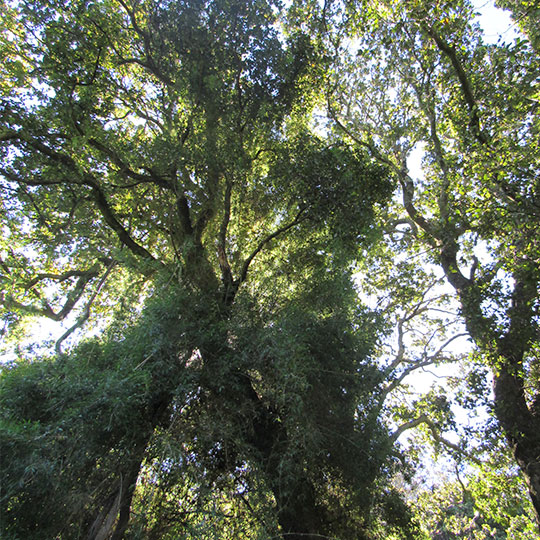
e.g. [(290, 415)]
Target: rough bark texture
[(522, 429), (519, 419)]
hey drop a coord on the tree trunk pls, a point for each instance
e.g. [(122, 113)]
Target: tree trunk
[(522, 428), (506, 354), (114, 515), (297, 512)]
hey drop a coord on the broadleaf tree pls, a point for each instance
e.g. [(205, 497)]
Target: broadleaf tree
[(162, 182), (422, 78)]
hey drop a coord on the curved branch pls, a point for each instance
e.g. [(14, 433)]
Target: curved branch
[(47, 311), (437, 437), (264, 241), (99, 196), (86, 313), (115, 225), (405, 180), (465, 85), (125, 170), (62, 277), (415, 422), (407, 189)]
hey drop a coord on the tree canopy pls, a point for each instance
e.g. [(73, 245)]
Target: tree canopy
[(198, 190), (472, 107)]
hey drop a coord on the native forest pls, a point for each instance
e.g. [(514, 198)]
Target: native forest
[(269, 270)]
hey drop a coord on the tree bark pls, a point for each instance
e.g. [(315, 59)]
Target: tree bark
[(506, 353), (521, 426)]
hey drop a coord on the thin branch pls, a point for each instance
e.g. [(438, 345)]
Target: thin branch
[(12, 177), (149, 62), (423, 419), (264, 241), (397, 382), (86, 312), (428, 110)]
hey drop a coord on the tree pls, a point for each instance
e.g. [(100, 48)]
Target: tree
[(422, 78), (160, 174), (486, 502)]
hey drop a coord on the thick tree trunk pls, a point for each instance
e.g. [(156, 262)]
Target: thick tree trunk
[(522, 428), (519, 420), (297, 512), (526, 454)]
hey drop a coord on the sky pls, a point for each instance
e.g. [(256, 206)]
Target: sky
[(495, 22)]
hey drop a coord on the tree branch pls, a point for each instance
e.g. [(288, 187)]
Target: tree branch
[(465, 85), (115, 225), (86, 312), (405, 180), (125, 170), (149, 62), (98, 195), (226, 273), (92, 273), (406, 426), (423, 419), (264, 241), (47, 311)]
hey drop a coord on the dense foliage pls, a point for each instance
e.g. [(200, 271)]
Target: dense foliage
[(161, 158), (470, 108), (198, 191)]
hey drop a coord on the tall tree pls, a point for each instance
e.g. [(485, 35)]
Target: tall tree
[(423, 78), (159, 172)]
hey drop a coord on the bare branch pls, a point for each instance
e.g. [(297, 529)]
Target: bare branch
[(437, 437), (397, 382), (406, 426)]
